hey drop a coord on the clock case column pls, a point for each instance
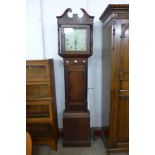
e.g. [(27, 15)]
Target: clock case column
[(76, 117)]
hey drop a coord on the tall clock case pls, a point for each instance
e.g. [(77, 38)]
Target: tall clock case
[(75, 46)]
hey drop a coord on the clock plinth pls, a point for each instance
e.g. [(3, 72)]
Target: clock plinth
[(76, 128), (75, 36)]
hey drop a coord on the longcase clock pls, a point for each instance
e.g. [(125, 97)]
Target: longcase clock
[(75, 41)]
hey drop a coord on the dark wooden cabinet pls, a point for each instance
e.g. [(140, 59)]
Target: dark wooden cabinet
[(115, 58), (75, 36), (41, 111)]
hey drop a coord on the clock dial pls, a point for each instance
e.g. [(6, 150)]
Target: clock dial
[(75, 39)]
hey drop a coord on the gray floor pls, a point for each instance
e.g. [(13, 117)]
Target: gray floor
[(97, 148)]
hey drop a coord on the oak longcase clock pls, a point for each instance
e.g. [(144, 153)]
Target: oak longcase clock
[(75, 40)]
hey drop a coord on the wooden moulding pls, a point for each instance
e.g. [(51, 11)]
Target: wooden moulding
[(114, 8), (115, 11), (65, 19)]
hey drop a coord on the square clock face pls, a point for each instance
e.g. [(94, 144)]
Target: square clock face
[(75, 39)]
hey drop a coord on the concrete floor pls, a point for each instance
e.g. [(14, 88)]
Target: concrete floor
[(97, 148)]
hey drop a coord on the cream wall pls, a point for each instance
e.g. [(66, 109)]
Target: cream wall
[(42, 44)]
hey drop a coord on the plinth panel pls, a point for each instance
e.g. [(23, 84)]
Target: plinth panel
[(76, 128)]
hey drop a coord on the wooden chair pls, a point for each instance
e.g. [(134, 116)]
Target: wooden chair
[(28, 144)]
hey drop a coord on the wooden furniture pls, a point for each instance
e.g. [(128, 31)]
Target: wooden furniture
[(41, 111), (28, 144), (75, 46), (115, 58)]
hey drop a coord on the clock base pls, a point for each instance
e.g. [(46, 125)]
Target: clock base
[(76, 129)]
